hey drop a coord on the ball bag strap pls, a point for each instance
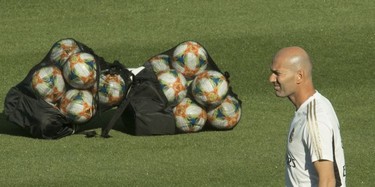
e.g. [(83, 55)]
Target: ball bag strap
[(115, 117), (120, 109)]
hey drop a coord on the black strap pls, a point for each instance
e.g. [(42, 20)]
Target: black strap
[(115, 117), (117, 67)]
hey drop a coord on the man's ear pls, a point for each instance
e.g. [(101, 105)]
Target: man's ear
[(300, 76)]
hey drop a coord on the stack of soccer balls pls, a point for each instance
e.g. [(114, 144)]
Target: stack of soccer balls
[(69, 83), (186, 72)]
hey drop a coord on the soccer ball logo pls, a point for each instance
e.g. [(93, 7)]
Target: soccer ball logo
[(80, 70), (189, 116), (78, 105), (160, 63), (190, 59), (111, 89), (48, 83), (209, 88), (173, 85), (62, 50), (226, 115)]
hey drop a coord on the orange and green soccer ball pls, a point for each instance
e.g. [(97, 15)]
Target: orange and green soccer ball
[(190, 59), (80, 70), (160, 63), (78, 105), (209, 88), (189, 116), (62, 50), (226, 115), (173, 85), (112, 89), (48, 83)]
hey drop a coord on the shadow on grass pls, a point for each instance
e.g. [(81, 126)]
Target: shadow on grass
[(93, 126), (99, 121)]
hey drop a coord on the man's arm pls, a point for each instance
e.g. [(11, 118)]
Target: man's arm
[(325, 171)]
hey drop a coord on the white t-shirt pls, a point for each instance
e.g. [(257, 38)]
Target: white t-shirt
[(314, 135)]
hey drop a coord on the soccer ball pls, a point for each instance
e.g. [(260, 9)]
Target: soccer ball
[(190, 59), (111, 89), (80, 70), (160, 63), (226, 115), (209, 88), (48, 83), (173, 85), (189, 116), (62, 50), (78, 105)]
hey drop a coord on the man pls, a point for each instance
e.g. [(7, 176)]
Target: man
[(315, 156)]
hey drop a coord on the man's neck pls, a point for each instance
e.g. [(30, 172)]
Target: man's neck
[(300, 97)]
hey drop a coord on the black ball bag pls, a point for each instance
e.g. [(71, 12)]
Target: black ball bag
[(26, 109)]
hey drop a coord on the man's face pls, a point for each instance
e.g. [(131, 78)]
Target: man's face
[(283, 78)]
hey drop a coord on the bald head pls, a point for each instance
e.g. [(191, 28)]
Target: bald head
[(295, 58), (291, 75)]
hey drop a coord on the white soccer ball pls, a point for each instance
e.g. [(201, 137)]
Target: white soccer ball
[(48, 83), (111, 89), (226, 115), (160, 63), (78, 105), (173, 85), (80, 70), (189, 116), (190, 59), (62, 50), (209, 88)]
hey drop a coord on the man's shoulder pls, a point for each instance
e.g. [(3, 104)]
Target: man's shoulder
[(322, 110), (320, 103)]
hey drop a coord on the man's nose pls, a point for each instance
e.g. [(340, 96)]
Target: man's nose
[(272, 78)]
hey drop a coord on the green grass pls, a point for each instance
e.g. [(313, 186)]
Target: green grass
[(241, 36)]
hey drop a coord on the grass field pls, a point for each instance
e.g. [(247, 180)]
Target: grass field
[(241, 36)]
